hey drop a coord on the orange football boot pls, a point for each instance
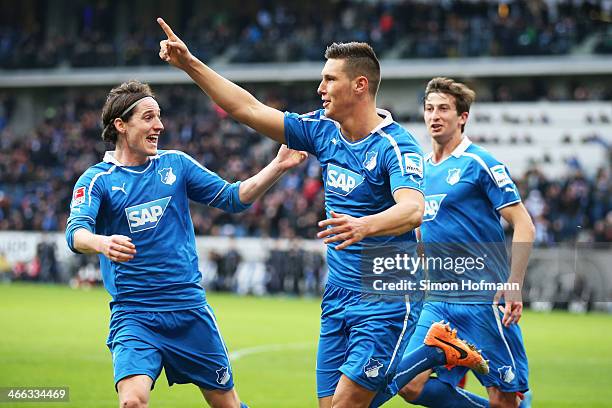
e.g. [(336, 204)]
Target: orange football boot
[(457, 351)]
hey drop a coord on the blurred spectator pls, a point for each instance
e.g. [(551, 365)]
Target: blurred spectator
[(38, 168), (5, 267), (564, 209), (226, 269), (298, 31), (46, 253)]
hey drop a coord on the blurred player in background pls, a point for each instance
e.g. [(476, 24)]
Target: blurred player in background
[(133, 210), (373, 174), (467, 191)]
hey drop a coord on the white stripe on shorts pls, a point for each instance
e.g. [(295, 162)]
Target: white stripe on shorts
[(501, 333), (219, 333), (399, 341)]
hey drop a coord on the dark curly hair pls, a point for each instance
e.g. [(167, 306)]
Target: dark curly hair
[(117, 101)]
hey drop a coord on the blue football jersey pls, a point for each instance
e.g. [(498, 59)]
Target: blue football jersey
[(150, 204), (463, 196), (359, 178)]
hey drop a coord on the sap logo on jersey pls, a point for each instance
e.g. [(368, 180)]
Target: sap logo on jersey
[(342, 181), (145, 216), (432, 206)]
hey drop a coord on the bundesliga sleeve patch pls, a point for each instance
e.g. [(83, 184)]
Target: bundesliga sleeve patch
[(414, 163), (499, 174), (78, 197)]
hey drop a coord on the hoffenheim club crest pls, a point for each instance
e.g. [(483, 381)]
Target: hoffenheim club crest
[(506, 374), (453, 176), (370, 160), (223, 375), (167, 176), (372, 367)]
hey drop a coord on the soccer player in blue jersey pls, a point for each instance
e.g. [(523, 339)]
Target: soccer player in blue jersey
[(467, 192), (133, 210), (373, 177)]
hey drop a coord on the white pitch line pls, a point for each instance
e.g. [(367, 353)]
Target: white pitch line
[(267, 348)]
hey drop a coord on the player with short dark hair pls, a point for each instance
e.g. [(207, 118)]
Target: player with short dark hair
[(372, 172), (133, 210), (468, 191)]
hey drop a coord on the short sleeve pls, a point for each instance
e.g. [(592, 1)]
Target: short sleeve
[(300, 131), (206, 187), (203, 185), (497, 184), (87, 197), (404, 163)]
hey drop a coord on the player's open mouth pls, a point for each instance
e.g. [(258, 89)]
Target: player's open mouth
[(436, 127), (152, 140), (326, 103)]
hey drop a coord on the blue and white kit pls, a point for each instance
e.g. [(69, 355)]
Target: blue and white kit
[(361, 338), (160, 316), (464, 195)]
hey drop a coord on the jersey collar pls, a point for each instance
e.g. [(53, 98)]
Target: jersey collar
[(109, 157), (459, 150), (387, 120)]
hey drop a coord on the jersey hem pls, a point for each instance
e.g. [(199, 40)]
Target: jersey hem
[(508, 204)]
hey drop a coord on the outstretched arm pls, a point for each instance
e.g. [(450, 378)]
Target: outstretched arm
[(254, 187), (404, 216), (236, 101), (522, 241)]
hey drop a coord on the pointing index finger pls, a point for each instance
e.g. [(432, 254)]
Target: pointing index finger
[(166, 28)]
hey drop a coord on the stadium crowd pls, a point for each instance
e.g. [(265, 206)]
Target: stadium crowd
[(38, 171), (270, 31)]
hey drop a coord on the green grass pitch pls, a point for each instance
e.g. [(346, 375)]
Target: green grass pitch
[(55, 336)]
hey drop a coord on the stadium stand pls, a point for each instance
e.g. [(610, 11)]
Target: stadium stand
[(554, 132), (562, 142), (297, 31)]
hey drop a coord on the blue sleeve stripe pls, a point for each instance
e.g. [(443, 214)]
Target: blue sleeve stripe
[(93, 181), (398, 153)]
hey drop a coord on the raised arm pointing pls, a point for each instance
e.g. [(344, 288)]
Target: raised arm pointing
[(236, 101)]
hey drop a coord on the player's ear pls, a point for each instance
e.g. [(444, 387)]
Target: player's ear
[(360, 84), (463, 118), (119, 125)]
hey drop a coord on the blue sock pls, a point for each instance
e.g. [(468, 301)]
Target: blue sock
[(412, 364), (526, 402), (437, 393), (417, 361), (243, 405)]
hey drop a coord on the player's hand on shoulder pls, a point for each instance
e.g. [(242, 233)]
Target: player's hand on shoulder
[(117, 248), (173, 50), (289, 158), (345, 229)]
